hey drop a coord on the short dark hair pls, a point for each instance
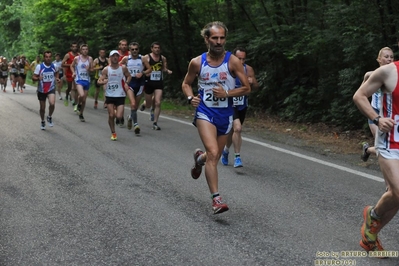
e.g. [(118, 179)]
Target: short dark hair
[(46, 52), (134, 44), (155, 43), (239, 48)]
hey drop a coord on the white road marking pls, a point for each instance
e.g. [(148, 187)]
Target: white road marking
[(342, 168)]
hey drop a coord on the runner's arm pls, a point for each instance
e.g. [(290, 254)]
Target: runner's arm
[(63, 63), (192, 73), (72, 67), (165, 66), (104, 77), (251, 78), (236, 67)]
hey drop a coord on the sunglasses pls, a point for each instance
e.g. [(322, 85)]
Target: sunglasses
[(134, 49)]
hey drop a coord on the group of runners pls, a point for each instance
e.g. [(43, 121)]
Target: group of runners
[(140, 74), (16, 70), (219, 91), (224, 81)]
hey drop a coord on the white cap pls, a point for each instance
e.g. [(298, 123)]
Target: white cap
[(113, 52)]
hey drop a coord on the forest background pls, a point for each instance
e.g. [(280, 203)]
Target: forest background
[(309, 55)]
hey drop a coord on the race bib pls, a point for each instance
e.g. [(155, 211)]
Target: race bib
[(22, 71), (134, 71), (84, 75), (213, 102), (113, 87), (5, 73), (238, 100), (47, 76), (156, 75)]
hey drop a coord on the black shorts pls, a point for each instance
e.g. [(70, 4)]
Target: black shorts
[(43, 96), (23, 76), (60, 75), (149, 88), (115, 100), (15, 75), (240, 114), (137, 90), (3, 77)]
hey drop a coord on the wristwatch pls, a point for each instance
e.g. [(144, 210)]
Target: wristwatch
[(376, 120), (189, 98)]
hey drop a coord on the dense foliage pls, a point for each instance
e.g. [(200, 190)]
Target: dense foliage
[(309, 55)]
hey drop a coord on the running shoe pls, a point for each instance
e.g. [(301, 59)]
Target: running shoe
[(196, 170), (218, 206), (136, 129), (142, 107), (75, 108), (95, 104), (13, 90), (105, 106), (122, 122), (237, 162), (370, 227), (50, 121), (151, 115), (66, 103), (43, 125), (377, 246), (155, 127), (82, 119), (21, 91), (60, 98), (129, 122), (225, 158), (113, 136), (365, 155)]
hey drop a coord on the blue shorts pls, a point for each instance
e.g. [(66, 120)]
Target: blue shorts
[(223, 124), (84, 83), (378, 113)]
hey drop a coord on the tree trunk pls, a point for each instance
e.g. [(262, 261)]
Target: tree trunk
[(177, 69)]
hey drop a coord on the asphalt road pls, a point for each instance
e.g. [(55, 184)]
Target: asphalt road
[(71, 196)]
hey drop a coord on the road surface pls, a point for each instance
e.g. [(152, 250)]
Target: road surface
[(71, 196)]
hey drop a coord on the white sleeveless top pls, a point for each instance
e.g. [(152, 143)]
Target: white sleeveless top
[(81, 69), (134, 65), (116, 81)]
